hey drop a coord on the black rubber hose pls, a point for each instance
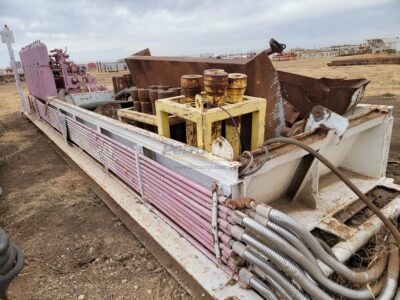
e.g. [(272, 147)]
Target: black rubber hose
[(125, 93), (259, 166), (11, 262), (352, 186)]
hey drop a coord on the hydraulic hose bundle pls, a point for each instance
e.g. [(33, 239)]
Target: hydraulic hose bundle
[(283, 259), (11, 262), (265, 248)]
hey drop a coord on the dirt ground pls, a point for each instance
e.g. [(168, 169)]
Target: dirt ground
[(75, 247)]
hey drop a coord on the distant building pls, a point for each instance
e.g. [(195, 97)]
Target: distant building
[(383, 45), (388, 45)]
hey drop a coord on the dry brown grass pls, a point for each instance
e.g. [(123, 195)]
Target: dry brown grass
[(385, 79)]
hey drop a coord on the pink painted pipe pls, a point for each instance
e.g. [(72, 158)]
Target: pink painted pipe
[(199, 239), (172, 195), (196, 244), (182, 212), (179, 183), (122, 147), (179, 178), (196, 232), (100, 140), (112, 159), (184, 234), (191, 202), (127, 177), (191, 215), (97, 149)]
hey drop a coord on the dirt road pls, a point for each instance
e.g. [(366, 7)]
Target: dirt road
[(75, 247)]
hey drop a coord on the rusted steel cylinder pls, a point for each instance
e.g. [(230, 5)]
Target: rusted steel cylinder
[(153, 94), (146, 107), (191, 85), (164, 87), (136, 106), (215, 85), (134, 94), (154, 87), (144, 95), (176, 90), (237, 83), (135, 99), (165, 94)]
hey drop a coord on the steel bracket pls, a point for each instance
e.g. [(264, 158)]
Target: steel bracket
[(214, 220), (139, 151), (63, 125)]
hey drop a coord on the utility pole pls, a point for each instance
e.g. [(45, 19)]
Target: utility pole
[(7, 37)]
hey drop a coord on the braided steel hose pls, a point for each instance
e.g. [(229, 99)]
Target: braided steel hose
[(252, 257), (252, 280), (358, 277), (287, 265)]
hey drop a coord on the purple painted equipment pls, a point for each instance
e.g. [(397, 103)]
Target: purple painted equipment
[(49, 75)]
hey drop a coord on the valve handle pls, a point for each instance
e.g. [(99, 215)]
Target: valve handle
[(276, 47)]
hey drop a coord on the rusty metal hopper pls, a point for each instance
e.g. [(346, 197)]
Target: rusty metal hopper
[(263, 81), (338, 95)]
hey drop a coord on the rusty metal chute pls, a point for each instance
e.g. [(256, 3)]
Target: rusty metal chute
[(338, 95)]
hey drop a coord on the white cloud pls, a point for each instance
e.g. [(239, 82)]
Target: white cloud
[(102, 29)]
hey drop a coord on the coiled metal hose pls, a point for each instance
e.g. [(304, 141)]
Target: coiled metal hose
[(277, 246), (257, 284), (11, 262), (357, 277), (284, 263), (265, 266), (314, 291), (389, 290)]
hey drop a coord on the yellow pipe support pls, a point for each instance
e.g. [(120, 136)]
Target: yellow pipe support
[(231, 135), (237, 83), (205, 118)]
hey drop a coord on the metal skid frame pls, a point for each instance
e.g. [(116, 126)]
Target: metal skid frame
[(124, 156)]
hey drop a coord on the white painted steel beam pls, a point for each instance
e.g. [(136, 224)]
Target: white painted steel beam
[(184, 155)]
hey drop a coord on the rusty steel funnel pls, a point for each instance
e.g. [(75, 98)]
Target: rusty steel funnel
[(338, 95), (262, 79)]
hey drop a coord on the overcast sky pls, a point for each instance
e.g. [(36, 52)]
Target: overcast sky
[(108, 30)]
